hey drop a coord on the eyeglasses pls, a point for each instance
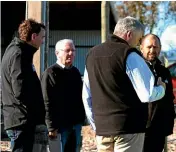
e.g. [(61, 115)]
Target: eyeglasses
[(68, 50)]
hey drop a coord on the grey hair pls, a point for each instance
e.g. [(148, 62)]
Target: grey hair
[(61, 44), (128, 24)]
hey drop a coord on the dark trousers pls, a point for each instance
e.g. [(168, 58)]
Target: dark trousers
[(71, 139), (22, 138), (154, 142), (70, 145)]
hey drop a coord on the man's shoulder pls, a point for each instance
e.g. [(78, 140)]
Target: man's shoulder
[(164, 69), (97, 46), (12, 52), (51, 68), (134, 51), (49, 72), (108, 48), (76, 70), (14, 46), (161, 65), (94, 48)]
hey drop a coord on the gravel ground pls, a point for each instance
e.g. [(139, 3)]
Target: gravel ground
[(89, 143)]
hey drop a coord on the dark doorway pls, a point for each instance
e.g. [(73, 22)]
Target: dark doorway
[(12, 14)]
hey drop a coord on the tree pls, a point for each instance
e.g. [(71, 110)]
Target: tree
[(149, 13)]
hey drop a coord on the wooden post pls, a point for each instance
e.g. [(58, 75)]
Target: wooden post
[(104, 20), (37, 10), (46, 38)]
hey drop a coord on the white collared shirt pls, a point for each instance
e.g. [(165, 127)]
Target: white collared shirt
[(62, 65)]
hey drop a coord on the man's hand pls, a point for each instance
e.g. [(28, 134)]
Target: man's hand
[(53, 134), (160, 82)]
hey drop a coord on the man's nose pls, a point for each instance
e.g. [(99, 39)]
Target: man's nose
[(152, 49), (70, 52)]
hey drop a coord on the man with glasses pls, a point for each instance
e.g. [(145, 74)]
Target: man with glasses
[(62, 91)]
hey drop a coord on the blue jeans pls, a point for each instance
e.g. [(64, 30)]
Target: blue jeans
[(75, 131), (21, 139)]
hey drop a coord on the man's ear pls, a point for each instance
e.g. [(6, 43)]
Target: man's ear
[(56, 53), (160, 47), (141, 48), (33, 36), (129, 34)]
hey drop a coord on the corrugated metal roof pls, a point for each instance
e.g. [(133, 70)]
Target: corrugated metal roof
[(82, 38)]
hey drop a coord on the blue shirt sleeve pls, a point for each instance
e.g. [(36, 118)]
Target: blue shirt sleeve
[(87, 99), (142, 79)]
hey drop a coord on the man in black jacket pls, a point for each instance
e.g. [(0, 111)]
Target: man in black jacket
[(23, 105), (161, 112)]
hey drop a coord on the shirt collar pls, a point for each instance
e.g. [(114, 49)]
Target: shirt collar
[(62, 65)]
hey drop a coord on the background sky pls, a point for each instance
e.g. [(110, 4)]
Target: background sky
[(166, 28)]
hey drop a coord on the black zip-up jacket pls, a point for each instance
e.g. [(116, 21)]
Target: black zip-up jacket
[(161, 112), (21, 89)]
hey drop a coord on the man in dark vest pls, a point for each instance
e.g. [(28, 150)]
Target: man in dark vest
[(117, 87), (161, 112)]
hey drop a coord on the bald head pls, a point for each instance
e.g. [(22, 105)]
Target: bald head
[(150, 47), (151, 35)]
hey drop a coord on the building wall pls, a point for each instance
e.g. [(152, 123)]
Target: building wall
[(80, 21)]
